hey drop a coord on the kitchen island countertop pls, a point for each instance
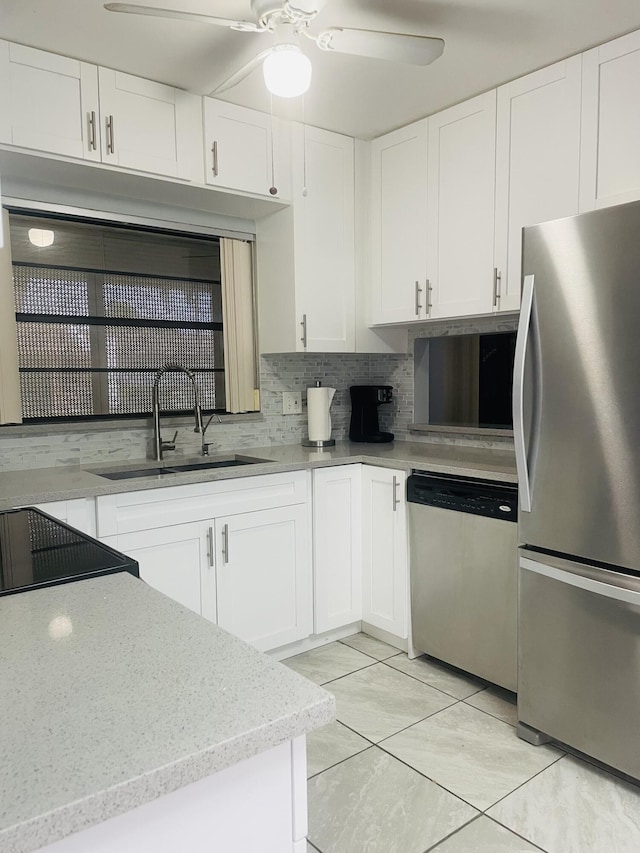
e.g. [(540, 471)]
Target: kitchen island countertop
[(114, 695), (42, 485)]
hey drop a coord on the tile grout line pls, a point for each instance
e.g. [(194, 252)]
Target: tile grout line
[(427, 684), (522, 784), (537, 846), (342, 761), (455, 832)]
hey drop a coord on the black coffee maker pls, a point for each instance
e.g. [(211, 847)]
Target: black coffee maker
[(365, 400)]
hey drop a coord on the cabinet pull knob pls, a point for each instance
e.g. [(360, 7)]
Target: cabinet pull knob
[(395, 493), (210, 545), (225, 543), (214, 154), (93, 141), (418, 292), (304, 331), (497, 280), (111, 139)]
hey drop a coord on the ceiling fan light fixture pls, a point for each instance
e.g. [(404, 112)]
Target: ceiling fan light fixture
[(287, 71)]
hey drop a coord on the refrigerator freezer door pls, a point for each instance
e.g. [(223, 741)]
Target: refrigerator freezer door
[(582, 439), (578, 657)]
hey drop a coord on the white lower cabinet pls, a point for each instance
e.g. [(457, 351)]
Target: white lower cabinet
[(337, 546), (175, 560), (263, 575), (79, 513), (249, 570), (385, 570)]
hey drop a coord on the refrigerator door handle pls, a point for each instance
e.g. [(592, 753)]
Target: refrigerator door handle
[(524, 491), (607, 590)]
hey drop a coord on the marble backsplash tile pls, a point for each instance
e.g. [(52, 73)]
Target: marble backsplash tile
[(80, 445)]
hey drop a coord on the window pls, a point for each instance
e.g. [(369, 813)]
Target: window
[(101, 307)]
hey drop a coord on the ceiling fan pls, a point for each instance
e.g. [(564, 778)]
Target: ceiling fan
[(286, 69)]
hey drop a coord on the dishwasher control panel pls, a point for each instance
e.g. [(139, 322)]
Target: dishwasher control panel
[(461, 494)]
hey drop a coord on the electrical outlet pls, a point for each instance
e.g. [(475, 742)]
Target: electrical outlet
[(291, 402)]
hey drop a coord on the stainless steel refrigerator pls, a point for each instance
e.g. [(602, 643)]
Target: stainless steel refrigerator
[(577, 434)]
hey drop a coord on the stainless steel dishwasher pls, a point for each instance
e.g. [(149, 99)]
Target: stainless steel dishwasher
[(464, 573)]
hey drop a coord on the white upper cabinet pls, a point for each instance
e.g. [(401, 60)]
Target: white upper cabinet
[(306, 253), (399, 225), (537, 164), (148, 126), (58, 105), (461, 203), (48, 102), (323, 184), (238, 147), (610, 156)]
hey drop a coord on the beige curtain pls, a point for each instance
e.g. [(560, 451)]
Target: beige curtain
[(10, 405), (239, 335)]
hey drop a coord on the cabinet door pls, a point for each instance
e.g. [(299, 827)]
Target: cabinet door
[(337, 547), (145, 125), (48, 102), (462, 151), (399, 224), (384, 550), (610, 158), (537, 163), (323, 201), (237, 147), (263, 570), (175, 560)]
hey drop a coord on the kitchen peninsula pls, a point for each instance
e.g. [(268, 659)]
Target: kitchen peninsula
[(130, 723)]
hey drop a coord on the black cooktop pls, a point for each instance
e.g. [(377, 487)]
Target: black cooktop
[(36, 550)]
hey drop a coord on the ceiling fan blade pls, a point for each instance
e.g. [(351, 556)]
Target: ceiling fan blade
[(396, 47), (175, 14), (238, 76)]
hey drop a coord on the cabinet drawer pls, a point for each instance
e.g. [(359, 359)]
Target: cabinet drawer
[(154, 508)]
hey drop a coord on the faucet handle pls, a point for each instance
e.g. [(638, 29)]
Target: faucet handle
[(170, 445)]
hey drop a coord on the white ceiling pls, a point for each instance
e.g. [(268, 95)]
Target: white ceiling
[(488, 42)]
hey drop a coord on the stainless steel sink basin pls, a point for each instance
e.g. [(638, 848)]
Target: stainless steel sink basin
[(221, 463), (132, 474)]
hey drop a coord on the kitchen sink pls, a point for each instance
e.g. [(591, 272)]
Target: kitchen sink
[(132, 474), (221, 463)]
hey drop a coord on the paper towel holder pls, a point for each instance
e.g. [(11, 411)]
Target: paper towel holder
[(318, 445)]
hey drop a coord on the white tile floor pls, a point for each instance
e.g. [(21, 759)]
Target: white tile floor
[(425, 758)]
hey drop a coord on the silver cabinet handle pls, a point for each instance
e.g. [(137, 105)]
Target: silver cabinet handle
[(522, 465), (428, 305), (111, 141), (418, 292), (304, 331), (210, 545), (225, 543), (395, 493), (214, 154), (93, 141), (497, 279)]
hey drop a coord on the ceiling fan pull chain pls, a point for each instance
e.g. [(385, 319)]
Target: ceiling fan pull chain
[(273, 188)]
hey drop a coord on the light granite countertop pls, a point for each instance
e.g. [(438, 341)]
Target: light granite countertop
[(114, 695), (41, 485)]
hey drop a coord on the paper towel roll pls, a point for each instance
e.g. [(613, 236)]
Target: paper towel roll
[(318, 415)]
